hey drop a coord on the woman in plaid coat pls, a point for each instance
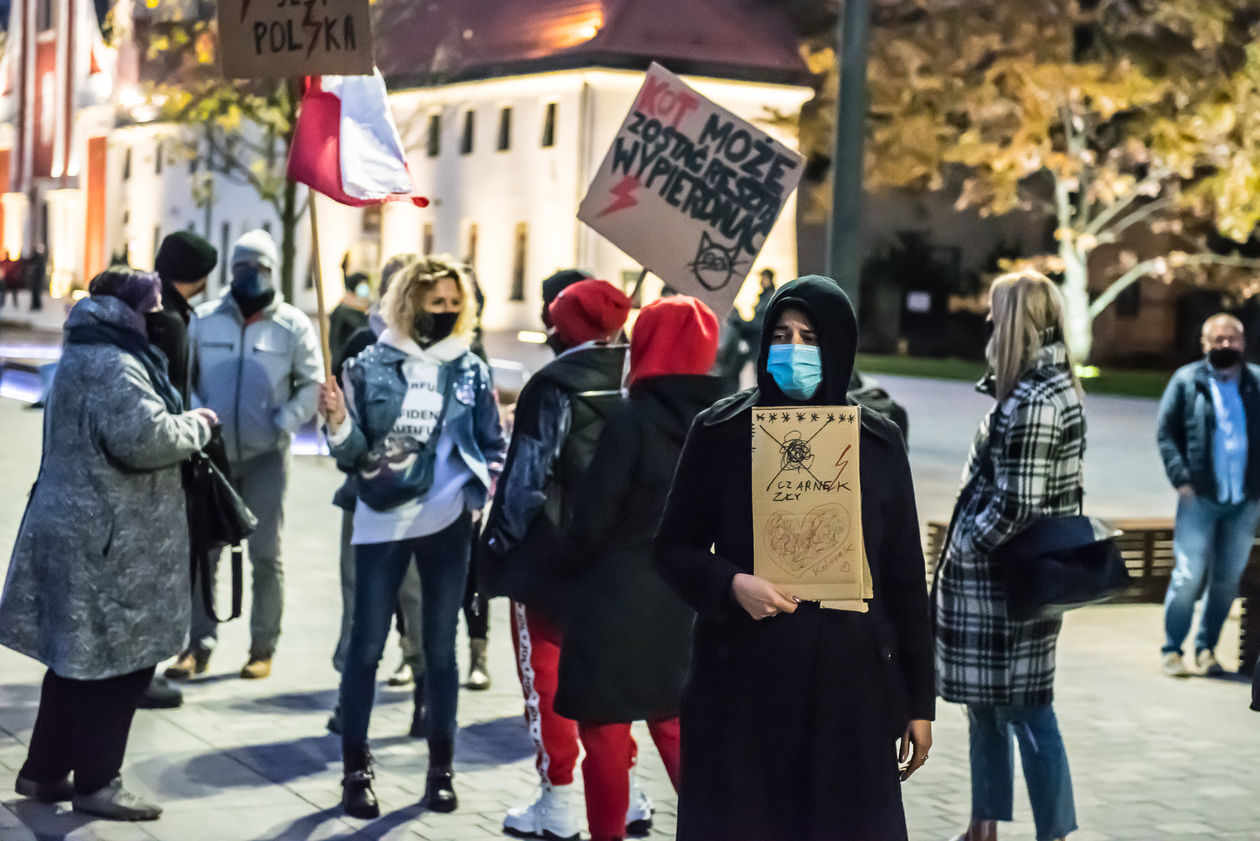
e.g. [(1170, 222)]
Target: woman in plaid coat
[(1025, 464)]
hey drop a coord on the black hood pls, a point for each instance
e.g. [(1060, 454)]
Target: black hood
[(597, 368), (672, 402), (835, 324)]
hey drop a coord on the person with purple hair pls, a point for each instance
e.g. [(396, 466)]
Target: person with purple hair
[(98, 587)]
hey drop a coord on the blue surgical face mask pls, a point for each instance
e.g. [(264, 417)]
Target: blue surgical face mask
[(797, 369)]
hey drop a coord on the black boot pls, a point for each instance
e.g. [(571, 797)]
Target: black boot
[(357, 798), (439, 789), (419, 712)]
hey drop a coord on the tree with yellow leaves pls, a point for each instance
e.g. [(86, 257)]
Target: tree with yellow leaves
[(1107, 115), (237, 129)]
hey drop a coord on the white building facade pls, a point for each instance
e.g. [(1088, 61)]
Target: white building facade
[(504, 158)]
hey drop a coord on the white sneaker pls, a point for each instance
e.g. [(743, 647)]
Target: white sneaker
[(639, 815), (1205, 660), (553, 816), (402, 676), (1174, 666)]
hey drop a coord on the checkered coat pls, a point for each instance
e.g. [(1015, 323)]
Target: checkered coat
[(1025, 463)]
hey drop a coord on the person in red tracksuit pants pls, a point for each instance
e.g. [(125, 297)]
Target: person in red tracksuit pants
[(559, 417), (627, 644)]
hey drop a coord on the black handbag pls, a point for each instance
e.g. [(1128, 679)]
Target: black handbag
[(1058, 563), (217, 517)]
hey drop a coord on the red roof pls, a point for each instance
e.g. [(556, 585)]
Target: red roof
[(422, 42)]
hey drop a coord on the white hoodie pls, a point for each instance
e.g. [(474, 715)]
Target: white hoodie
[(421, 407)]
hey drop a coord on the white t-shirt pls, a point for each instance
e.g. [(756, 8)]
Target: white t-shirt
[(421, 408)]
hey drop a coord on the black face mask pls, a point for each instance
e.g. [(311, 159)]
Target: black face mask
[(252, 304), (153, 324), (1221, 358), (557, 345), (439, 325)]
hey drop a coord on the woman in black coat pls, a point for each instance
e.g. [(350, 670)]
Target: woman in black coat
[(791, 712), (627, 635)]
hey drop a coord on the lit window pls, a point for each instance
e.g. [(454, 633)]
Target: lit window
[(505, 129), (126, 163), (470, 256), (426, 239), (434, 141), (466, 142), (157, 158), (549, 126), (518, 262)]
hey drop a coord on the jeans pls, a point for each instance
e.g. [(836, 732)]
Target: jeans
[(408, 606), (1044, 760), (1212, 543), (82, 727), (261, 482), (442, 560)]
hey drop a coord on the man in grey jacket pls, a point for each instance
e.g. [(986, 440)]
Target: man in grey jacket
[(255, 361)]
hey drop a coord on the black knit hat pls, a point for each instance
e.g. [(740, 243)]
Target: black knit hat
[(554, 285), (184, 256)]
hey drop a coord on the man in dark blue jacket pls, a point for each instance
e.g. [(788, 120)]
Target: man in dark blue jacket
[(1209, 439)]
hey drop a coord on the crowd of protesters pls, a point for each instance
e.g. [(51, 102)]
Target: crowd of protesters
[(612, 506)]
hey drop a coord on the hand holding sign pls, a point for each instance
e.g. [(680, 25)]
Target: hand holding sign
[(807, 503), (690, 190)]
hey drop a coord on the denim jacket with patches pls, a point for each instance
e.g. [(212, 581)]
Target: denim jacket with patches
[(378, 385)]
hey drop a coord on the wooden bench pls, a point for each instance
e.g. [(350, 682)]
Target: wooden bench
[(1146, 547)]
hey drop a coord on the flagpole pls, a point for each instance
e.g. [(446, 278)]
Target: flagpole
[(324, 348)]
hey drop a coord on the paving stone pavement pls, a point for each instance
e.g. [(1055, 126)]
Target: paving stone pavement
[(1153, 759)]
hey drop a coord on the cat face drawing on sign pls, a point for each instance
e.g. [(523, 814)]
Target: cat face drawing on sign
[(715, 265)]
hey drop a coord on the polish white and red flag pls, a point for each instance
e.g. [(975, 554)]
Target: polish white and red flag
[(346, 146)]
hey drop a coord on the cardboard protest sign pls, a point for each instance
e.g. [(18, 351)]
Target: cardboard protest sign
[(690, 190), (807, 503), (265, 38)]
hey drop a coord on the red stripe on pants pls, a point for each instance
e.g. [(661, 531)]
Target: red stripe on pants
[(537, 640), (610, 754)]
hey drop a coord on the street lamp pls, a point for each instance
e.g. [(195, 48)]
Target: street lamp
[(844, 235)]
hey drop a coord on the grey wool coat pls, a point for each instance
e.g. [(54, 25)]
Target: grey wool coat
[(98, 581), (1026, 463)]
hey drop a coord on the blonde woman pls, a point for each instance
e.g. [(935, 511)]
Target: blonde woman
[(1025, 463), (419, 426)]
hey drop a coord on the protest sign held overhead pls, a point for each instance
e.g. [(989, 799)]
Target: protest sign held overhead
[(266, 38), (807, 503), (690, 190)]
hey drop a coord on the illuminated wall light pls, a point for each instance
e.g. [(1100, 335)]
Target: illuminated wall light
[(532, 337), (65, 238), (16, 210)]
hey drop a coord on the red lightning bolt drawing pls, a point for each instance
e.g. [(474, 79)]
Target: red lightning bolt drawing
[(624, 192), (311, 24)]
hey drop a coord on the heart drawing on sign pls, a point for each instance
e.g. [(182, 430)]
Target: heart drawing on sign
[(801, 543)]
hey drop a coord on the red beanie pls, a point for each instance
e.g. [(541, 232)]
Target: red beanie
[(675, 335), (588, 310)]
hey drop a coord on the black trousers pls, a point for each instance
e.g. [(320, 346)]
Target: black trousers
[(82, 728)]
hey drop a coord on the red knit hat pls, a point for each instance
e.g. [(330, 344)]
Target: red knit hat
[(588, 310), (675, 335)]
